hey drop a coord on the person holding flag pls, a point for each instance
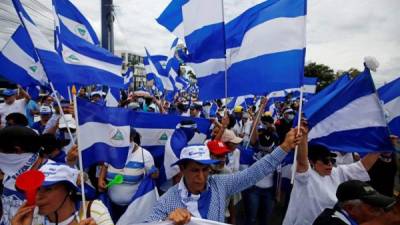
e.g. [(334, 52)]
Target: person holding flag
[(204, 196)]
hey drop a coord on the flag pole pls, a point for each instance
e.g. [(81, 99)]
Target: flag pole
[(226, 62), (255, 122), (69, 94), (62, 112), (80, 157), (294, 167)]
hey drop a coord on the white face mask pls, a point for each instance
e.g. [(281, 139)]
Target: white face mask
[(290, 117), (11, 163)]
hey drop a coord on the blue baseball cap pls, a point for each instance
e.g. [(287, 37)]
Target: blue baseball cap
[(9, 92), (197, 153)]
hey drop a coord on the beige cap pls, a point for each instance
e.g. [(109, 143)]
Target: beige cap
[(229, 136)]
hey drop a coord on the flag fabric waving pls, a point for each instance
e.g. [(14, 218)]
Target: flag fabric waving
[(90, 63), (390, 95), (350, 113), (19, 62), (142, 202), (109, 130)]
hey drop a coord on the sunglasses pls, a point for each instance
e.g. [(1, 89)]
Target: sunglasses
[(328, 160)]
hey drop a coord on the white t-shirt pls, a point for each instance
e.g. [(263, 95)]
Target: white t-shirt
[(313, 193), (343, 159), (234, 161), (137, 163), (243, 129), (5, 109)]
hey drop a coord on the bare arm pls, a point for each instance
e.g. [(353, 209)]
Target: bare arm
[(24, 94), (253, 131), (369, 160), (302, 154)]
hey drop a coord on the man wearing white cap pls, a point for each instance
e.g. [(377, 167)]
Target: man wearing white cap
[(12, 104), (201, 195)]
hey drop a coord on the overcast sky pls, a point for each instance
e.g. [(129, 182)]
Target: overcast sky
[(339, 32)]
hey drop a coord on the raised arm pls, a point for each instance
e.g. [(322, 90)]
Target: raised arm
[(239, 181), (253, 131), (302, 154)]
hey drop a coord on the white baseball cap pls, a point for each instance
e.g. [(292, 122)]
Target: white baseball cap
[(69, 120), (229, 136), (55, 173), (197, 153)]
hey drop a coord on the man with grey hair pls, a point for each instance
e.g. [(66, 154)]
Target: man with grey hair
[(358, 202)]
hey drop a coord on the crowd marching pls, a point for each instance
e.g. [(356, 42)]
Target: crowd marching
[(89, 149)]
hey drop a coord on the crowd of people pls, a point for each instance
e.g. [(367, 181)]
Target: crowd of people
[(239, 175)]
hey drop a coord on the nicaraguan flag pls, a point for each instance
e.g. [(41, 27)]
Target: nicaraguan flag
[(349, 118), (390, 95), (19, 62), (204, 29), (50, 61), (155, 71), (128, 77), (265, 48), (171, 18), (103, 134), (112, 98), (310, 85), (244, 101), (156, 130), (91, 64), (74, 21), (142, 202)]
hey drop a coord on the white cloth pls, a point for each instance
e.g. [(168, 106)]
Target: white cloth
[(122, 194), (343, 159), (17, 107), (313, 193), (234, 161), (243, 129)]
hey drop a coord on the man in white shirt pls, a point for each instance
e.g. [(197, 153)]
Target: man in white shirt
[(316, 181), (12, 104)]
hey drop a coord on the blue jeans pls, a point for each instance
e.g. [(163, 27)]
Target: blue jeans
[(258, 201)]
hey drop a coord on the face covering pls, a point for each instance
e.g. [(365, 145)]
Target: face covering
[(13, 163)]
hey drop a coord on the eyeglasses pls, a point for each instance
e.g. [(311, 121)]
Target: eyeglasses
[(328, 160)]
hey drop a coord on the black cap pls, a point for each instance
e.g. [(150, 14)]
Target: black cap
[(316, 152), (19, 136), (355, 189)]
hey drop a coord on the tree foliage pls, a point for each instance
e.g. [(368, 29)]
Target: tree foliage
[(323, 72)]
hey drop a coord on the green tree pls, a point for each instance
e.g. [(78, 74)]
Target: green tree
[(323, 72)]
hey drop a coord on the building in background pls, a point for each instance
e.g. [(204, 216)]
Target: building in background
[(136, 62)]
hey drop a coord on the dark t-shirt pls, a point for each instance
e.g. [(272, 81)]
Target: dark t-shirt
[(327, 217)]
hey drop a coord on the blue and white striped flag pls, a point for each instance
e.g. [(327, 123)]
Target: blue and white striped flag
[(19, 62), (310, 85), (244, 101), (91, 64), (53, 66), (265, 52), (352, 114), (128, 77), (390, 95), (142, 202), (155, 71), (104, 134), (171, 18), (156, 130), (74, 21)]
